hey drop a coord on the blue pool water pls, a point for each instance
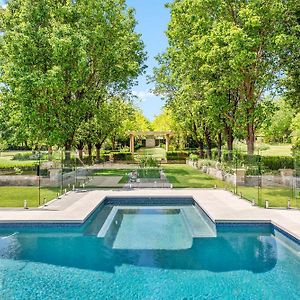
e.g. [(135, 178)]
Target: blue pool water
[(170, 252)]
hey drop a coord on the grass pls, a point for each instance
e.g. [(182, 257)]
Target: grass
[(148, 173), (182, 176), (6, 160), (267, 149), (277, 197), (114, 172), (278, 150), (14, 196)]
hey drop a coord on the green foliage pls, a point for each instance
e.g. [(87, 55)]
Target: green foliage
[(149, 173), (177, 155), (163, 121), (277, 162), (221, 58), (148, 162), (278, 129), (30, 156), (121, 156), (61, 60), (295, 127), (193, 157), (17, 164)]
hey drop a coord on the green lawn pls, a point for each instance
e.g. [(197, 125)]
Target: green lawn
[(6, 160), (277, 150), (12, 196), (148, 173), (277, 197), (114, 172), (182, 176), (266, 149)]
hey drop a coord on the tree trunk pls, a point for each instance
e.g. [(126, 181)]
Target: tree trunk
[(208, 143), (113, 143), (50, 152), (229, 140), (68, 147), (250, 138), (98, 147), (90, 148), (201, 149), (220, 147), (80, 147)]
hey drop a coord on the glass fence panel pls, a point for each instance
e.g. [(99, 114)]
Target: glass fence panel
[(295, 201), (18, 178)]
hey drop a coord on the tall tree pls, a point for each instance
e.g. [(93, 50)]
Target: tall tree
[(225, 54), (60, 59)]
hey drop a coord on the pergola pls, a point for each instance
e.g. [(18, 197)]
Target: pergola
[(150, 137)]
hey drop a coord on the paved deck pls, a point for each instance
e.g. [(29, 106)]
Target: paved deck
[(221, 206)]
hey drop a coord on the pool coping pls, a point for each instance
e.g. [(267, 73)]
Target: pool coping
[(220, 206)]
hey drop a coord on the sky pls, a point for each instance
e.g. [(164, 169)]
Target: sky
[(153, 18)]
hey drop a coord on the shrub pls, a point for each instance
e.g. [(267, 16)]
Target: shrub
[(29, 156), (148, 161), (177, 155), (123, 156), (277, 162), (193, 157)]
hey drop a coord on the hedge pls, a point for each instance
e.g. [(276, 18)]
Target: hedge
[(123, 156), (177, 155), (272, 163), (277, 162)]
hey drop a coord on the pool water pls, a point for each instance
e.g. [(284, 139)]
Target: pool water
[(135, 252)]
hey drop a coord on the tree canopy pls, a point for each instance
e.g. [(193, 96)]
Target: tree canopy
[(61, 60), (223, 56)]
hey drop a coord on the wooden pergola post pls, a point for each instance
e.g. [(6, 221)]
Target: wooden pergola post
[(131, 143), (167, 141)]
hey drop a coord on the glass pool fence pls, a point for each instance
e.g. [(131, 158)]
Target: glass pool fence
[(265, 180), (33, 178)]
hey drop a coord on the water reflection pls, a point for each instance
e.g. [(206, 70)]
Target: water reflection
[(253, 252)]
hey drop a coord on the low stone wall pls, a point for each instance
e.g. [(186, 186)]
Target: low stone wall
[(55, 178), (269, 180), (18, 180), (174, 162), (285, 179)]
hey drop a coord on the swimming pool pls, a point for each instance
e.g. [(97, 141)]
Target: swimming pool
[(163, 250)]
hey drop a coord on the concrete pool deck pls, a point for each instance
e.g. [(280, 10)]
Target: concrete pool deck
[(220, 205)]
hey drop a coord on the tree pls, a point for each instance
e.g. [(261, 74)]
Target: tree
[(224, 55), (163, 121), (60, 59), (289, 42), (295, 127), (278, 128)]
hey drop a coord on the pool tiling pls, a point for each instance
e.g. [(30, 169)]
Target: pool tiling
[(149, 248)]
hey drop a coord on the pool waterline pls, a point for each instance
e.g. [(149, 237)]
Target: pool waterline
[(239, 257)]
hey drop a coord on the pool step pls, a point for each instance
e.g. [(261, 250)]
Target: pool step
[(105, 227), (196, 223), (92, 226)]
